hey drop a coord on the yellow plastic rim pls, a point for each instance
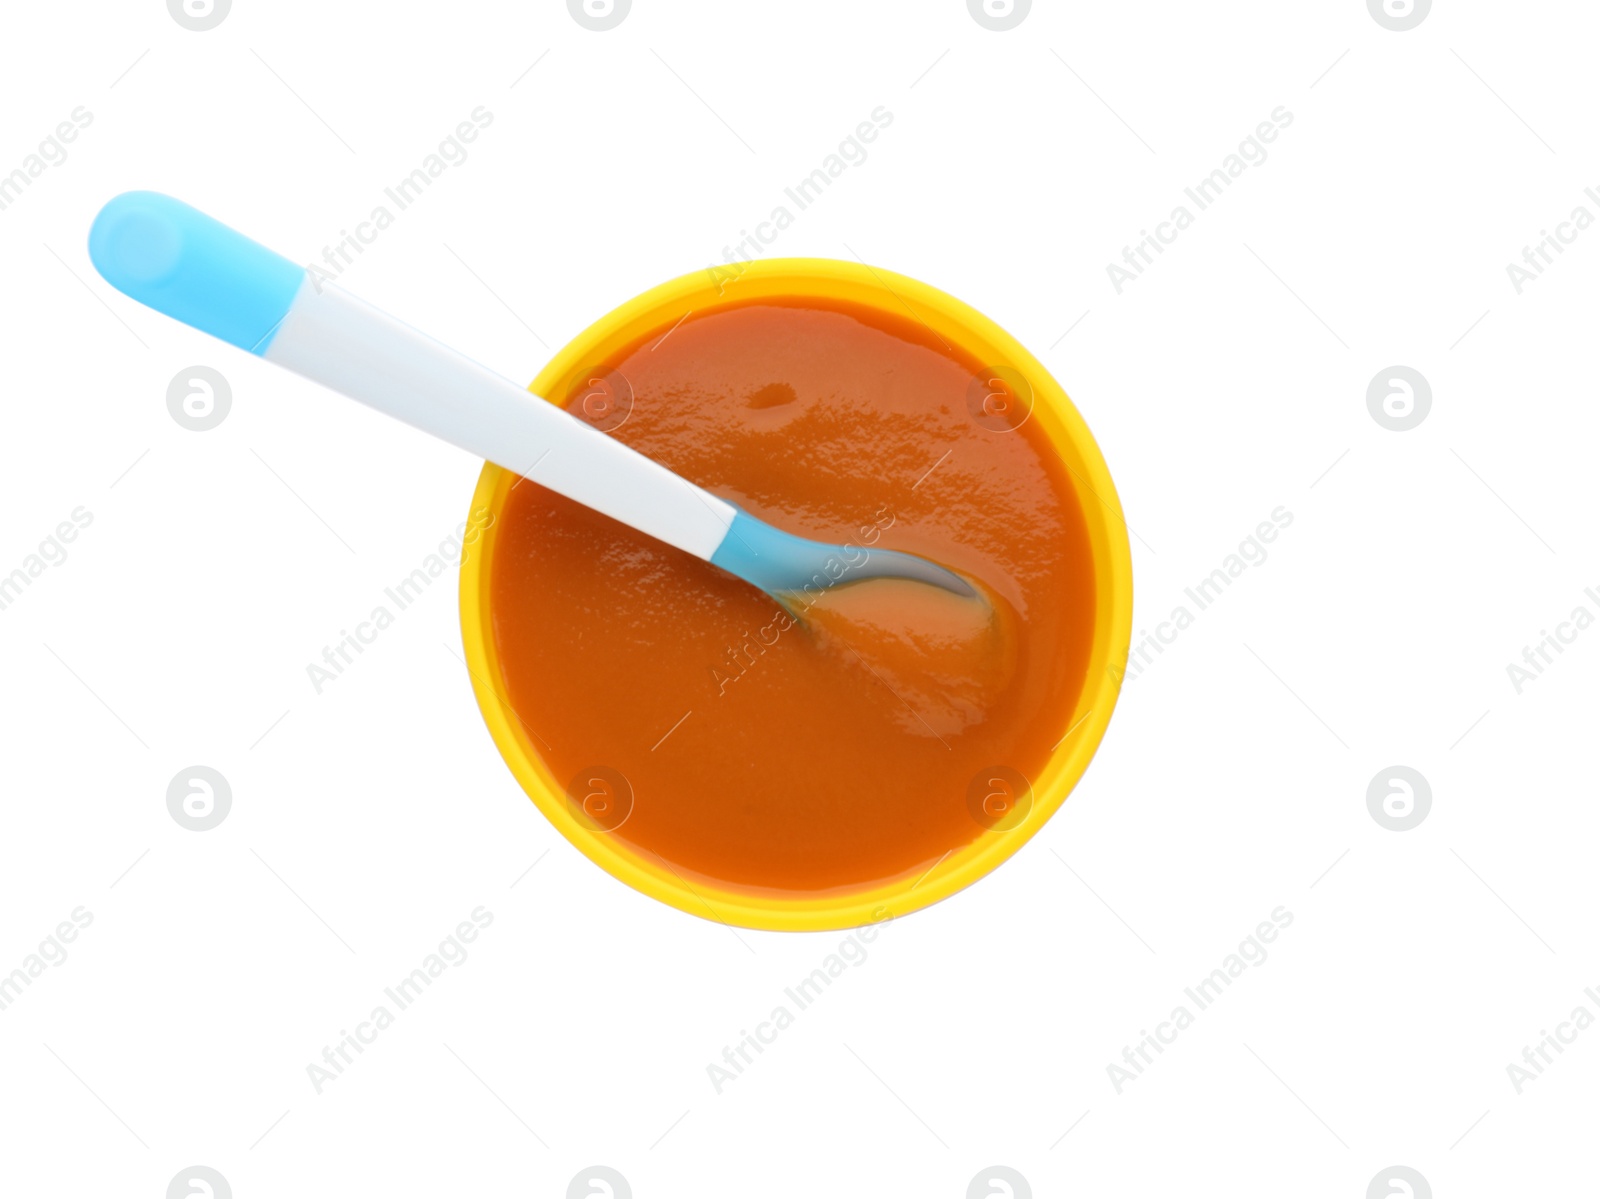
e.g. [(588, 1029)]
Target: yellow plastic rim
[(706, 291)]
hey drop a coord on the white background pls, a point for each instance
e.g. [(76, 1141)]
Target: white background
[(1229, 379)]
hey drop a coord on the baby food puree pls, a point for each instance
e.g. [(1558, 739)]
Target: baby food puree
[(838, 747)]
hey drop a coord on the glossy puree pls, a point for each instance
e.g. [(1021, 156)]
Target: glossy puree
[(775, 756)]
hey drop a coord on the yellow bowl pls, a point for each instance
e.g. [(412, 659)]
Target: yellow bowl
[(1057, 419)]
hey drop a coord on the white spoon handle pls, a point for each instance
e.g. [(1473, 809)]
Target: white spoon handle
[(345, 343), (181, 262)]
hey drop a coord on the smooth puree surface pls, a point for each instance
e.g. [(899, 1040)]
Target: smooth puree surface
[(773, 756)]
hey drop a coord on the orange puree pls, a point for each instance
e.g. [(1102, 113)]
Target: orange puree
[(770, 755)]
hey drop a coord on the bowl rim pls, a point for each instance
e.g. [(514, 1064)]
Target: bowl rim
[(823, 278)]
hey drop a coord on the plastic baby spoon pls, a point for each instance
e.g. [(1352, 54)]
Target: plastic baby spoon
[(179, 261)]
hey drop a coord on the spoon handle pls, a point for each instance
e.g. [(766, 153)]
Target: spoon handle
[(193, 268)]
